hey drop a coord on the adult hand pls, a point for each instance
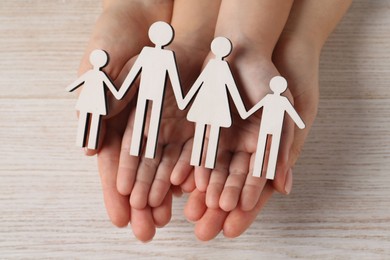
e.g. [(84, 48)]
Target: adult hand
[(121, 30)]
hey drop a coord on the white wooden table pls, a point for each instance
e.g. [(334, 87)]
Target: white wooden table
[(50, 200)]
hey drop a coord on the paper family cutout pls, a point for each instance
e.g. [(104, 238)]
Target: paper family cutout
[(210, 107)]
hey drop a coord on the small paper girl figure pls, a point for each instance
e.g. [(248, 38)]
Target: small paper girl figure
[(211, 105), (92, 99)]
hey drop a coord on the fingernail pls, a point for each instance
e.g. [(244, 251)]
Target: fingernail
[(289, 182), (146, 241)]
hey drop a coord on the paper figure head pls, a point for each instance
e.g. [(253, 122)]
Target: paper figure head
[(98, 58), (221, 47), (161, 33), (278, 84)]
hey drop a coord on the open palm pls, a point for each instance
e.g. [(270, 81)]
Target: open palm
[(229, 183), (121, 31)]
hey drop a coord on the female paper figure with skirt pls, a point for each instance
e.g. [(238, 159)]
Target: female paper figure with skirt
[(92, 99), (211, 105)]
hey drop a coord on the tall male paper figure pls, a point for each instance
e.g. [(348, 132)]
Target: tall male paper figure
[(154, 64), (274, 107)]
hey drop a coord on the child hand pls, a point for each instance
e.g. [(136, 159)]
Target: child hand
[(230, 183), (229, 199)]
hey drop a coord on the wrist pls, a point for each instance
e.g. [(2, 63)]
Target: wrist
[(113, 3), (246, 42), (298, 48)]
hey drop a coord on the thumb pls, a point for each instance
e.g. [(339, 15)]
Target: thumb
[(307, 109)]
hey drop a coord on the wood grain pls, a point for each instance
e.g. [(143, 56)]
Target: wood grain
[(50, 200)]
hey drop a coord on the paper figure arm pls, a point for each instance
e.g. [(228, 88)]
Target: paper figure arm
[(76, 84), (195, 87), (130, 78), (111, 86), (256, 107), (293, 114), (173, 74), (233, 90)]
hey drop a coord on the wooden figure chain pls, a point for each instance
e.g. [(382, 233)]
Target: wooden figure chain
[(210, 106)]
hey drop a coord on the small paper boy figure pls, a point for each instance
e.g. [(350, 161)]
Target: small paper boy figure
[(274, 106), (92, 99)]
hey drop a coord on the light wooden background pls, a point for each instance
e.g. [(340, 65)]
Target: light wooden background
[(50, 199)]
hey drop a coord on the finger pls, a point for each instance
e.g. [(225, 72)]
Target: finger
[(217, 179), (195, 206), (306, 106), (117, 205), (239, 220), (238, 172), (209, 221), (189, 184), (127, 172), (161, 182), (163, 213), (145, 175), (182, 168), (252, 189), (202, 177), (211, 224), (128, 165), (142, 224), (280, 182)]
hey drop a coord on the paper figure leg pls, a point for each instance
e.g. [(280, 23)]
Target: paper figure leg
[(138, 127), (81, 131), (212, 147), (154, 127), (197, 147), (273, 156), (260, 153), (94, 131)]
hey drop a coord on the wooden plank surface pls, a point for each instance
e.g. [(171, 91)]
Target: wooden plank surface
[(50, 200)]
